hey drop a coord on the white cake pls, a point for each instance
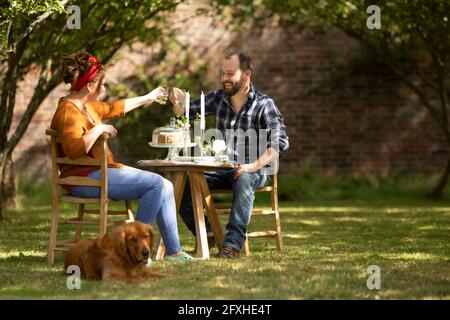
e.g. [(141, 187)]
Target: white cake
[(172, 138)]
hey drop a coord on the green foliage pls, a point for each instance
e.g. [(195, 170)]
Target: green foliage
[(15, 8), (22, 12), (181, 121)]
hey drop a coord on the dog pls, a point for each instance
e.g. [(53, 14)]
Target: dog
[(121, 255)]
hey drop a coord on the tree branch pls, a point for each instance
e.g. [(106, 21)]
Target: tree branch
[(427, 81), (443, 123), (30, 28), (439, 66)]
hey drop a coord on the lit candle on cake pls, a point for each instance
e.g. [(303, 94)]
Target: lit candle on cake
[(202, 112)]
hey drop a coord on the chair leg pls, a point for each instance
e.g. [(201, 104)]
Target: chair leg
[(79, 227), (161, 250), (276, 217), (128, 206), (246, 247), (53, 232), (103, 217), (277, 225)]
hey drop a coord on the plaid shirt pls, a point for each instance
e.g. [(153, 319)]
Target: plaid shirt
[(259, 112)]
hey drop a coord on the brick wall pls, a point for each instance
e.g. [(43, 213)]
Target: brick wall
[(352, 120)]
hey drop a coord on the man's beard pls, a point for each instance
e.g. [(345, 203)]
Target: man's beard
[(231, 91)]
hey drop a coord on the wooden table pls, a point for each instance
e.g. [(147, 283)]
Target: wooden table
[(201, 197)]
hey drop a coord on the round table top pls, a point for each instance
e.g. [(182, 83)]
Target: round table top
[(172, 165)]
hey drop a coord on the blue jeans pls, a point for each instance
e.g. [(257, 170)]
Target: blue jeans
[(243, 187), (155, 194)]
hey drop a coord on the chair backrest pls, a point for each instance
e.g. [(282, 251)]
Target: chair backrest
[(84, 161)]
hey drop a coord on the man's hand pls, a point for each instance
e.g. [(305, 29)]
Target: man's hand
[(243, 91), (245, 168), (177, 96)]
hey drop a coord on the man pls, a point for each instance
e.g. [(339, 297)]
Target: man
[(238, 108)]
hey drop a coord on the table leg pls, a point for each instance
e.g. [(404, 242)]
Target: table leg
[(179, 181), (199, 215), (212, 215)]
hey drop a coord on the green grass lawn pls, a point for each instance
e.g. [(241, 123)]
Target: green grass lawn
[(328, 246)]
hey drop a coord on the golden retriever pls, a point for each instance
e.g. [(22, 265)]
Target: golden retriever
[(119, 255)]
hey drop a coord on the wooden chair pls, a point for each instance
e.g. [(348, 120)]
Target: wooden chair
[(274, 213), (57, 198)]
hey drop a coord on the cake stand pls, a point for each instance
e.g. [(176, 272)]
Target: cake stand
[(174, 149)]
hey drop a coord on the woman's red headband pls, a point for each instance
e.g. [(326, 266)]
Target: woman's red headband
[(89, 75)]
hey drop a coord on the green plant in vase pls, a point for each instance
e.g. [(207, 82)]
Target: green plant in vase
[(205, 147), (181, 121)]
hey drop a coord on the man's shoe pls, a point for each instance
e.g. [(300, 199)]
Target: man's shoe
[(228, 252)]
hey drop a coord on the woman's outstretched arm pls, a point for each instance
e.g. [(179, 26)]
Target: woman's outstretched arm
[(149, 98)]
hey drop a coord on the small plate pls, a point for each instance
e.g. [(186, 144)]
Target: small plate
[(163, 145), (202, 159)]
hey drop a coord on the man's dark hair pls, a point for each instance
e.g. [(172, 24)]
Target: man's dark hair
[(245, 62)]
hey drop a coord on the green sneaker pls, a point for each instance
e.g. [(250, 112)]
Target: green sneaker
[(182, 257)]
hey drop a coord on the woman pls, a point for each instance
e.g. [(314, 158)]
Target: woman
[(78, 121)]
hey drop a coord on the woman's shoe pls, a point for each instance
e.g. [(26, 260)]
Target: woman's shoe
[(182, 257)]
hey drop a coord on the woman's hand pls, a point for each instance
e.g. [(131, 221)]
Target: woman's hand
[(92, 135), (159, 93), (106, 128)]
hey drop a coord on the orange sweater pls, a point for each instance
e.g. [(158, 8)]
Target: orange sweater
[(71, 125)]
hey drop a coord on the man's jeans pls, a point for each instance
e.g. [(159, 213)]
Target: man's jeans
[(243, 187)]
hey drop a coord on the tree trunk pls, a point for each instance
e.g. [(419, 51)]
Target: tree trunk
[(1, 193), (439, 189), (2, 161), (8, 184)]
